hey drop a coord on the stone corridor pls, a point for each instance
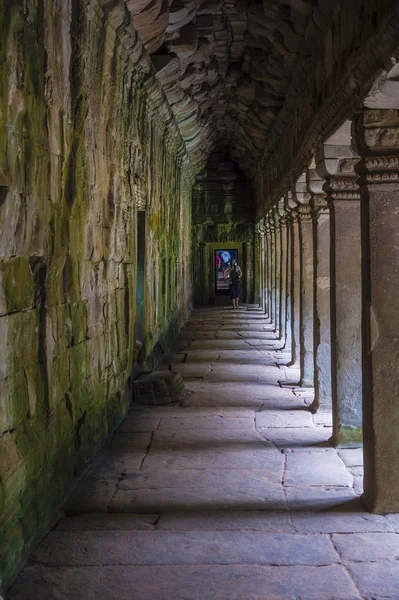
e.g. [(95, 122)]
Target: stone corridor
[(233, 493)]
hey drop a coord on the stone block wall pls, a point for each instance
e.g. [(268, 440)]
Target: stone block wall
[(86, 138)]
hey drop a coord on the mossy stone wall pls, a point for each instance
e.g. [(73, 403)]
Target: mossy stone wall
[(85, 137)]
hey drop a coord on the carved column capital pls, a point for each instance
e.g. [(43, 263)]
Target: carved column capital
[(343, 185), (304, 212)]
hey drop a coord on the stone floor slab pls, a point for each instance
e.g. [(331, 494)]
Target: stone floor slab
[(202, 423), (204, 478), (208, 439), (319, 498), (352, 457), (394, 520), (241, 373), (339, 522), (233, 520), (182, 582), (136, 423), (268, 497), (242, 458), (108, 522), (367, 547), (301, 438), (284, 419), (377, 581), (323, 468), (89, 548), (91, 496), (242, 394)]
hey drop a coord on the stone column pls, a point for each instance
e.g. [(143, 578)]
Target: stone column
[(302, 197), (272, 267), (321, 311), (277, 295), (378, 135), (336, 163), (295, 249), (288, 323), (262, 249), (283, 274), (249, 271), (268, 266)]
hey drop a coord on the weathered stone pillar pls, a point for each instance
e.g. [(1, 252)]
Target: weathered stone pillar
[(378, 141), (302, 197), (336, 162), (249, 271), (288, 321), (321, 309), (263, 265), (268, 267), (295, 248), (272, 266), (283, 273), (278, 270)]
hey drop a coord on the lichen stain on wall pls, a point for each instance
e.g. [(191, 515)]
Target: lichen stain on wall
[(82, 124)]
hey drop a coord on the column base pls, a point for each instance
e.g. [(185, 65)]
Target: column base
[(347, 436), (382, 502)]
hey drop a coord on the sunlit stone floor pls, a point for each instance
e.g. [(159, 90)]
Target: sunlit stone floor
[(233, 494)]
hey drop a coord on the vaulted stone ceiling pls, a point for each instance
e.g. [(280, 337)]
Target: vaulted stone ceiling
[(225, 66)]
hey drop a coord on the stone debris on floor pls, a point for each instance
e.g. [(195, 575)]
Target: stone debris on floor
[(232, 494)]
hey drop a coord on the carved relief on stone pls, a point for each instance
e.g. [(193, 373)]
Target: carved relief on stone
[(381, 169)]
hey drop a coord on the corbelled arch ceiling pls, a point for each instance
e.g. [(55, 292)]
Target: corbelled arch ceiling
[(225, 67)]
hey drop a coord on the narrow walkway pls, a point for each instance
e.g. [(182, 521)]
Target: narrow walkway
[(234, 494)]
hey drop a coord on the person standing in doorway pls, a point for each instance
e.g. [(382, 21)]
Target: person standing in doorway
[(234, 274)]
